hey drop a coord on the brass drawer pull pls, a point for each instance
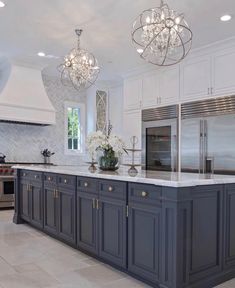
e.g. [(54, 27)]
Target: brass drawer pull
[(85, 184), (144, 194), (110, 188), (29, 188), (55, 193), (97, 204)]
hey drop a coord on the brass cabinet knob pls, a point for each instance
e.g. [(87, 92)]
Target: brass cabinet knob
[(85, 184), (144, 194), (110, 188), (93, 203)]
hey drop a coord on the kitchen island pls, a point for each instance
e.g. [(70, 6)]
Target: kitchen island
[(167, 229)]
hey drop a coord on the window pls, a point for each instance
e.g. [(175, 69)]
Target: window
[(74, 128)]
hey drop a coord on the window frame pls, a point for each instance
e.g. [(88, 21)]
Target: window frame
[(81, 106)]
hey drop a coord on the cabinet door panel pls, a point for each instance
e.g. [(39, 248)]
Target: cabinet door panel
[(132, 127), (36, 204), (87, 222), (195, 79), (144, 241), (132, 93), (229, 226), (206, 228), (112, 231), (66, 202), (150, 90), (50, 210), (223, 73), (25, 200), (170, 86)]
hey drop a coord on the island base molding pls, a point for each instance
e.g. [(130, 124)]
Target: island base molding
[(164, 236)]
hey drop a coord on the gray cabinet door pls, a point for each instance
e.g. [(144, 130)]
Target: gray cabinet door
[(205, 247), (66, 214), (36, 204), (25, 200), (229, 228), (50, 210), (144, 241), (87, 222), (112, 231)]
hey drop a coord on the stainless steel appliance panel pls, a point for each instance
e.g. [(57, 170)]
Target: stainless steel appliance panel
[(208, 138)]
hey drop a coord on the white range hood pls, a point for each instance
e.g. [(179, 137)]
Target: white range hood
[(23, 97)]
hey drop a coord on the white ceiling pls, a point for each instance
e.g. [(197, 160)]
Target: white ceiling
[(29, 26)]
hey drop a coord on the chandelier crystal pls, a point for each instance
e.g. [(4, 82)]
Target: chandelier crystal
[(80, 68), (162, 36)]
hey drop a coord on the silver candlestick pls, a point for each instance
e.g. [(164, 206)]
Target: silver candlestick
[(132, 171)]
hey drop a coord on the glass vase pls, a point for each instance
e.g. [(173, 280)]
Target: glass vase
[(108, 161)]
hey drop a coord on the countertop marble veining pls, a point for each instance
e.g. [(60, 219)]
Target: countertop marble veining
[(161, 178)]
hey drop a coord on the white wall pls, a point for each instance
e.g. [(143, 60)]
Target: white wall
[(116, 109), (91, 109)]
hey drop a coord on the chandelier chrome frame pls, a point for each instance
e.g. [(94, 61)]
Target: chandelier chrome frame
[(80, 68), (162, 36)]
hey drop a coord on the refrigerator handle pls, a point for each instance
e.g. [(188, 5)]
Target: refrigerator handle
[(201, 147), (174, 153), (205, 141)]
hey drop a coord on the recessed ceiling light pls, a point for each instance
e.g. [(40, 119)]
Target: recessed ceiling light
[(139, 50), (225, 18), (2, 4), (41, 54)]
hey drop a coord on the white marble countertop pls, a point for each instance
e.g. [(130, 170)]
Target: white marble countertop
[(171, 179)]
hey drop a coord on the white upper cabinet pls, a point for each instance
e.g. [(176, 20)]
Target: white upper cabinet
[(198, 77), (223, 65), (132, 127), (132, 93), (169, 85), (150, 95), (195, 80), (161, 87)]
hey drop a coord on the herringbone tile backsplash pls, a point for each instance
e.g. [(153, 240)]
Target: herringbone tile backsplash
[(24, 142)]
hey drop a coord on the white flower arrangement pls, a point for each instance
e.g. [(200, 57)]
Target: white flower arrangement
[(99, 141)]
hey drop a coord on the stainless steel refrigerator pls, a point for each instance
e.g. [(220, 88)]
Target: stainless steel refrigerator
[(206, 139)]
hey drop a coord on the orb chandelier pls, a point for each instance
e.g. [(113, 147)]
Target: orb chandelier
[(162, 36), (80, 68)]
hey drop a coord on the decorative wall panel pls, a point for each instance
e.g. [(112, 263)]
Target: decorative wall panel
[(101, 110)]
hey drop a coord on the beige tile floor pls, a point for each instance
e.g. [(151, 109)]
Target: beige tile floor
[(31, 259)]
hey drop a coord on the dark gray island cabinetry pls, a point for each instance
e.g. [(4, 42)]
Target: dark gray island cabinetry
[(168, 234)]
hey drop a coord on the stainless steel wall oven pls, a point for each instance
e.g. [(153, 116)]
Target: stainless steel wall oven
[(160, 138)]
